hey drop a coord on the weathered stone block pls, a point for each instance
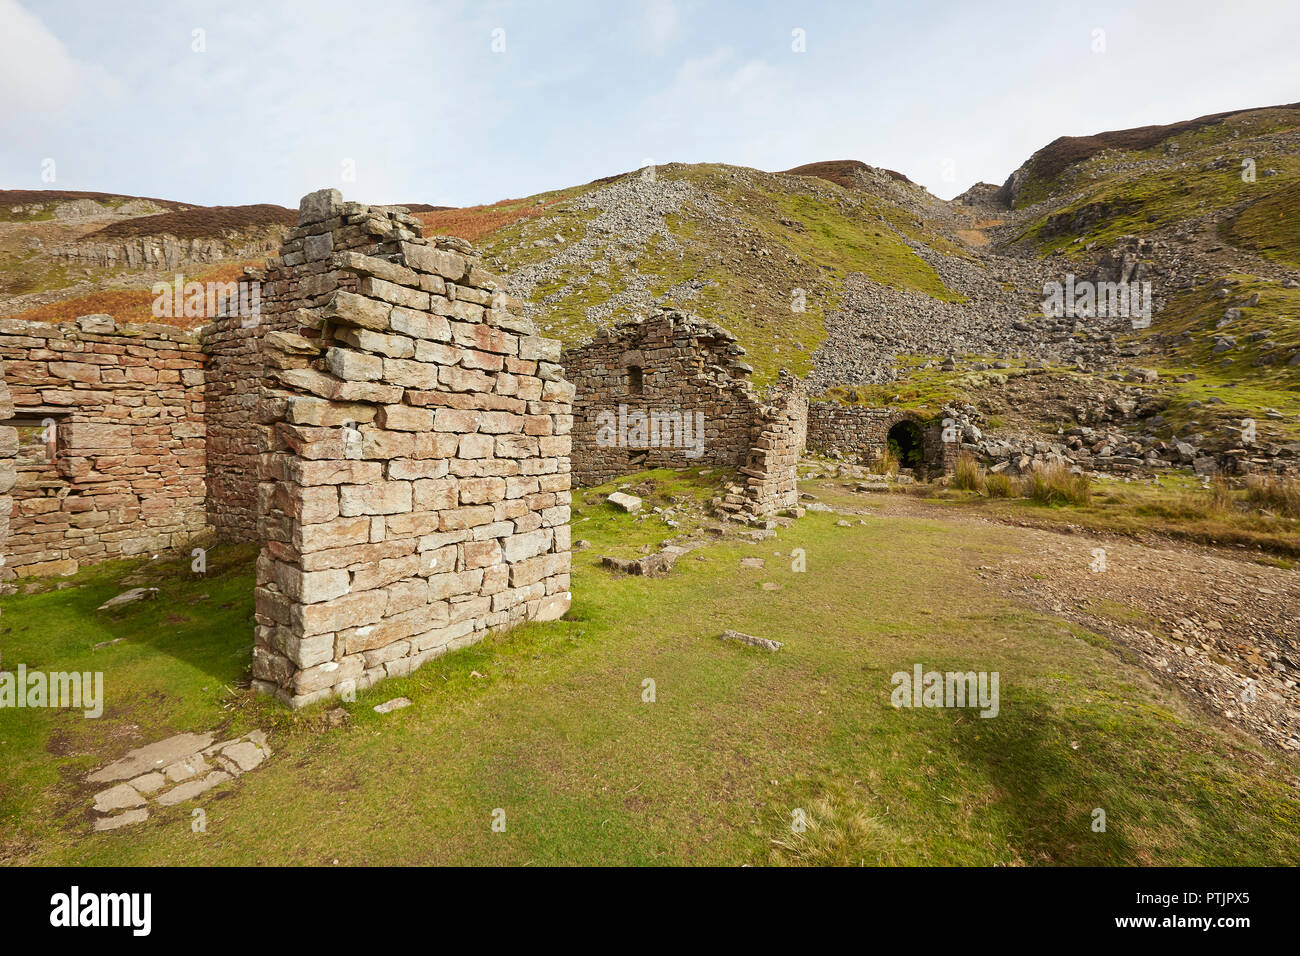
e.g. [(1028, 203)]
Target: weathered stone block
[(349, 308), (354, 366), (376, 498)]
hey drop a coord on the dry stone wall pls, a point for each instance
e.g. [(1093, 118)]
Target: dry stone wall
[(862, 432), (8, 476), (773, 457), (110, 455), (673, 391), (235, 372), (415, 474)]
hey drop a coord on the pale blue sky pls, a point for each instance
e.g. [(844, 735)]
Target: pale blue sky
[(413, 94)]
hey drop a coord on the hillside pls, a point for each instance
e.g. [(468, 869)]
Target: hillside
[(64, 254), (914, 301), (830, 270), (1208, 212), (850, 275)]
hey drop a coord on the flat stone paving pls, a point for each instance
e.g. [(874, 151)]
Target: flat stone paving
[(172, 771)]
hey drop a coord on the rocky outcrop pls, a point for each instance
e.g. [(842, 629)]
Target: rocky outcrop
[(156, 253)]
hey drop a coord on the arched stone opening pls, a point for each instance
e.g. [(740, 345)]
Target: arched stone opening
[(907, 441)]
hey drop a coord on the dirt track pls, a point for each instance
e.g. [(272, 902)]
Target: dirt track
[(1207, 619)]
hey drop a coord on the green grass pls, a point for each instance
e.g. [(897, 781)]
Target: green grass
[(179, 658), (1270, 225), (548, 723)]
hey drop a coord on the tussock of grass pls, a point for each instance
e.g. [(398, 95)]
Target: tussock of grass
[(1176, 506), (887, 463), (1057, 485), (836, 832), (968, 475), (1280, 496), (998, 484), (1220, 496)]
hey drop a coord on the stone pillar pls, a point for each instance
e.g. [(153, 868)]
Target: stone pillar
[(415, 478), (773, 461), (8, 475)]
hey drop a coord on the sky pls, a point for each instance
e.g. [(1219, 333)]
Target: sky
[(460, 103)]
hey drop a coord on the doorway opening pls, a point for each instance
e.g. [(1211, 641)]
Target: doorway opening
[(907, 443)]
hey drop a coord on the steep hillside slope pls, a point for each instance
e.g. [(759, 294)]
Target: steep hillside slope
[(1208, 212), (831, 270), (852, 276)]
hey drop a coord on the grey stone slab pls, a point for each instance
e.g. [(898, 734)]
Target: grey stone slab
[(246, 754), (183, 770), (152, 757), (192, 788), (121, 797), (122, 819), (149, 783)]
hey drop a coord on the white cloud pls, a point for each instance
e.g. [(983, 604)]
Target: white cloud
[(39, 78)]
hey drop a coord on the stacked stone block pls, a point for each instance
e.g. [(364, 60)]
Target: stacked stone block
[(773, 459), (121, 472), (415, 477)]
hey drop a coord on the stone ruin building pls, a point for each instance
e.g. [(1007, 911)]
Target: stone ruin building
[(673, 391), (393, 433), (856, 430), (390, 429)]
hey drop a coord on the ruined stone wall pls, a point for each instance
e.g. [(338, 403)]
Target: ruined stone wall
[(8, 475), (233, 344), (781, 429), (849, 429), (415, 474), (122, 470), (855, 430), (673, 391), (669, 391)]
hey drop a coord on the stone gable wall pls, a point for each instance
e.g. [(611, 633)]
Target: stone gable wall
[(415, 467), (125, 472), (773, 456), (673, 391), (690, 372)]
